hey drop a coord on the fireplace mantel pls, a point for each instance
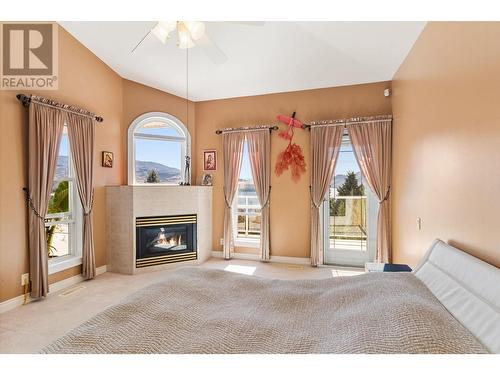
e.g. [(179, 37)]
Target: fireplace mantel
[(125, 203)]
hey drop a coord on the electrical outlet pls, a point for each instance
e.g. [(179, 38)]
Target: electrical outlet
[(419, 223), (222, 241), (25, 279)]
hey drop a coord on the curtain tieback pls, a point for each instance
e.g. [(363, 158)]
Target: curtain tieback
[(267, 200), (91, 205), (225, 198), (386, 195), (29, 201), (312, 200)]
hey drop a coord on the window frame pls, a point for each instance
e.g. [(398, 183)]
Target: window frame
[(351, 258), (75, 223), (169, 120), (242, 241), (250, 242)]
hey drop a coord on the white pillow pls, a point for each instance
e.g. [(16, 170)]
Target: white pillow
[(468, 287)]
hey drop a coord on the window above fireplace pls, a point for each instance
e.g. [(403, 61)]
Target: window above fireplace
[(158, 144)]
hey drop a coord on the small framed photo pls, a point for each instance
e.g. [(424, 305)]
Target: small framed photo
[(107, 159), (207, 179), (209, 160)]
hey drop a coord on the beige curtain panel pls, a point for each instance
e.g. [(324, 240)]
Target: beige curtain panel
[(45, 130), (232, 150), (325, 146), (259, 148), (371, 143), (81, 138)]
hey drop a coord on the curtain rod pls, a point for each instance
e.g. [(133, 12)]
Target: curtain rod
[(246, 129), (350, 121), (26, 100)]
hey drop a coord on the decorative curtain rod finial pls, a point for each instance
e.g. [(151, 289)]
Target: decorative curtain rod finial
[(25, 100)]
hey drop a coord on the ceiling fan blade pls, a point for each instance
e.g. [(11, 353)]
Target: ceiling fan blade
[(211, 49), (143, 38)]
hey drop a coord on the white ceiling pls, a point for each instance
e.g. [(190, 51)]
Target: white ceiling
[(267, 58)]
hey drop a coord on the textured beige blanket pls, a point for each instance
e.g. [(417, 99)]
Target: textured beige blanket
[(200, 310)]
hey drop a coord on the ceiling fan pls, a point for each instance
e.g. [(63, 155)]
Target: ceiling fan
[(189, 34)]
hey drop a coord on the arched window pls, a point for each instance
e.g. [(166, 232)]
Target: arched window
[(158, 144)]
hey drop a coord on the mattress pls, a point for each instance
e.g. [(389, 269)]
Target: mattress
[(198, 310)]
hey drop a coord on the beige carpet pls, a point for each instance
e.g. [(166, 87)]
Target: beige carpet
[(198, 310), (29, 328)]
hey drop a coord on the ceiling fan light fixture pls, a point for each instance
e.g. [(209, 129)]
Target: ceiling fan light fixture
[(184, 37), (162, 30), (195, 28)]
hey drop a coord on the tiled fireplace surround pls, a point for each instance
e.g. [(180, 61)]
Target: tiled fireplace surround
[(125, 203)]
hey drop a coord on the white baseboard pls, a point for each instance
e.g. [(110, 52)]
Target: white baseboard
[(70, 281), (53, 288), (273, 259)]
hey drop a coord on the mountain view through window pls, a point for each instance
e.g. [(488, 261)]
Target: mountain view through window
[(157, 161), (160, 149)]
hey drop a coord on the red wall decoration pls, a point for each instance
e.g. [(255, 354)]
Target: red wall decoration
[(291, 157)]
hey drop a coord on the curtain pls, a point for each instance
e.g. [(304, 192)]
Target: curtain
[(45, 129), (232, 150), (259, 149), (81, 138), (325, 146), (371, 143)]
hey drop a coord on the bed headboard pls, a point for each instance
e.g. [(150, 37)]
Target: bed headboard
[(468, 287)]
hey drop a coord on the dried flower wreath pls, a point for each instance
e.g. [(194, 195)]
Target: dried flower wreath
[(292, 157)]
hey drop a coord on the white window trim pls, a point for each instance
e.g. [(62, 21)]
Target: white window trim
[(247, 242), (162, 117), (63, 263), (75, 257)]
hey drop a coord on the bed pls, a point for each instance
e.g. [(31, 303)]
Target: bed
[(449, 304)]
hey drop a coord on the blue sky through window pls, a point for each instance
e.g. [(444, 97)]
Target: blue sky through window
[(346, 161), (246, 170), (64, 145), (164, 152)]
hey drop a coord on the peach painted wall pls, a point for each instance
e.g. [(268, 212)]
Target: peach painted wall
[(84, 81), (290, 234), (447, 142)]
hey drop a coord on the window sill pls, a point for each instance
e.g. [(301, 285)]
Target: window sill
[(247, 242), (63, 263)]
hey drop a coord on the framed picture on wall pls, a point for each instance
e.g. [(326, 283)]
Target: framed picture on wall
[(209, 160), (107, 159), (207, 179)]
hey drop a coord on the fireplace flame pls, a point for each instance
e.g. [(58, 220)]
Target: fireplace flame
[(175, 240)]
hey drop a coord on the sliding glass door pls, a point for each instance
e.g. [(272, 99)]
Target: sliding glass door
[(349, 214)]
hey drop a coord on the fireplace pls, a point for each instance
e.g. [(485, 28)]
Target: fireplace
[(165, 239)]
